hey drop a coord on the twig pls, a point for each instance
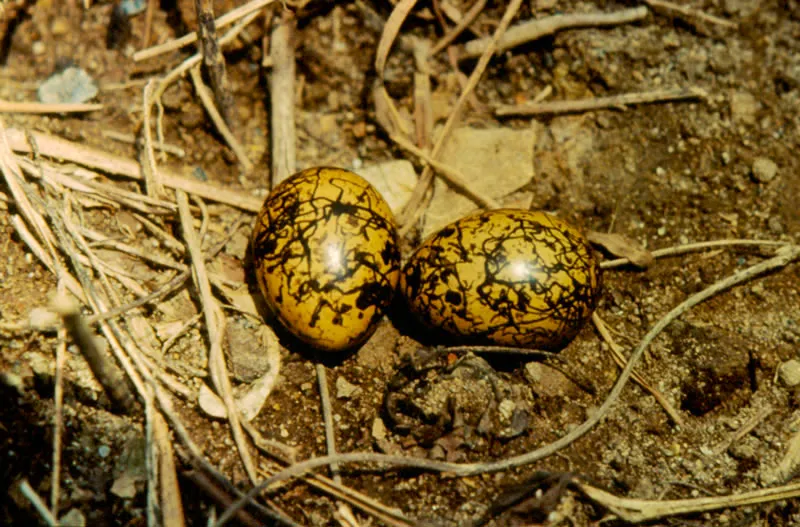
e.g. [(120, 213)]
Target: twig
[(121, 166), (692, 247), (390, 31), (14, 179), (411, 209), (37, 502), (282, 97), (214, 60), (597, 103), (219, 496), (619, 358), (58, 420), (745, 429), (451, 175), (107, 373), (171, 505), (327, 417), (215, 325), (131, 139), (228, 18), (536, 29), (219, 122), (637, 511), (690, 13), (41, 107), (154, 184), (152, 5), (465, 21), (423, 94), (151, 466)]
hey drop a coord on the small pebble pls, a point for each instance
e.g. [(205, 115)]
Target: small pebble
[(744, 108), (133, 7), (103, 451), (789, 373), (344, 388), (74, 518), (378, 429), (775, 225), (60, 26), (764, 170), (73, 85)]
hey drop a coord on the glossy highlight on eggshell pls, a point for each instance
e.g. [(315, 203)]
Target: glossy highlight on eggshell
[(326, 257), (507, 277)]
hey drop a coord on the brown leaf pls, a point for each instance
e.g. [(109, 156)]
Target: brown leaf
[(623, 247)]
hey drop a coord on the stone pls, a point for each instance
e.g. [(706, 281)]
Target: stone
[(73, 518), (789, 373), (72, 85), (378, 429), (744, 108), (764, 170), (345, 389)]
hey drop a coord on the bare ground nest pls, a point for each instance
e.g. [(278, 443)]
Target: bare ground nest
[(142, 385)]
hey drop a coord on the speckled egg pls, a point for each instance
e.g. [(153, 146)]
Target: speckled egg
[(326, 257), (505, 277)]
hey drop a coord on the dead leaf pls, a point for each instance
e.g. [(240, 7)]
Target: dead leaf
[(623, 247)]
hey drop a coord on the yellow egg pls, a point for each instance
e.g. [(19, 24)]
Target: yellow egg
[(326, 257), (506, 277)]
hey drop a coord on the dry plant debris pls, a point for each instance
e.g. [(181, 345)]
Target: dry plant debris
[(154, 343)]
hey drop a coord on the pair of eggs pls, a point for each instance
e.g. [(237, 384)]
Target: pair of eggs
[(327, 262)]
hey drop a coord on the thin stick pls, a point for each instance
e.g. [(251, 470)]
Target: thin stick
[(745, 429), (153, 181), (14, 179), (43, 108), (172, 507), (107, 373), (228, 18), (37, 502), (463, 24), (283, 135), (152, 468), (219, 122), (690, 13), (637, 511), (451, 175), (215, 325), (131, 140), (219, 496), (214, 60), (327, 417), (692, 247), (598, 103), (121, 166), (58, 420), (619, 358), (412, 209), (536, 29)]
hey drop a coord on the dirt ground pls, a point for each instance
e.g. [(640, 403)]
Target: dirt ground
[(664, 174)]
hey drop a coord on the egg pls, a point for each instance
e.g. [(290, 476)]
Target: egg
[(326, 256), (506, 277)]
